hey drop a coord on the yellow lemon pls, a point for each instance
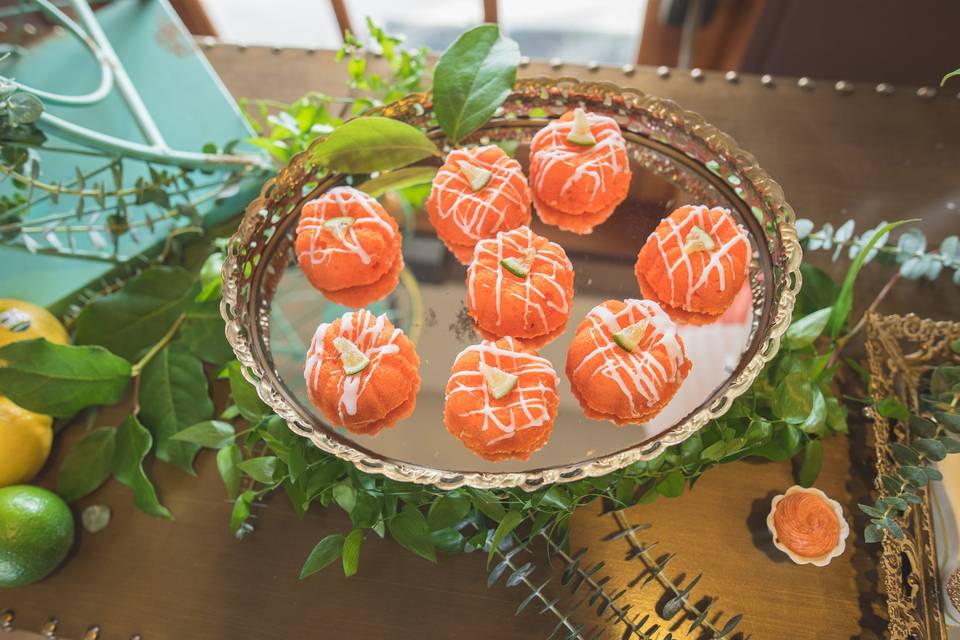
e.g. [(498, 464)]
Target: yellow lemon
[(21, 320), (25, 439)]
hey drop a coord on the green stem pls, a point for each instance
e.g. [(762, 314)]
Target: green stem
[(155, 349)]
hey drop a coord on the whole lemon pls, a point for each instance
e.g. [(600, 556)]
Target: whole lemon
[(25, 439), (21, 320), (36, 533)]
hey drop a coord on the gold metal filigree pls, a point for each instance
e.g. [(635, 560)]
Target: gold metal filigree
[(262, 248), (901, 350)]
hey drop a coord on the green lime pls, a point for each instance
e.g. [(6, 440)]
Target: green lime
[(36, 532)]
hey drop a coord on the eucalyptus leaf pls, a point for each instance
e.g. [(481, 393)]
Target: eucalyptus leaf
[(214, 434), (904, 454), (133, 444), (398, 179), (802, 333), (922, 427), (324, 554), (60, 380), (137, 316), (914, 475), (173, 396), (409, 528), (351, 552), (227, 460), (872, 534), (950, 421), (373, 143), (472, 79), (88, 464)]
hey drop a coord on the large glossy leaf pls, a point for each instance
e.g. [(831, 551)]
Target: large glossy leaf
[(88, 464), (473, 77), (138, 315), (793, 398), (214, 434), (174, 396), (409, 528), (326, 551), (133, 444), (803, 332), (373, 143), (60, 380)]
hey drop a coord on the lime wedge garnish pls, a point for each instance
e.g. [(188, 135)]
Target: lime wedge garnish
[(354, 361), (516, 267), (338, 226), (581, 134), (698, 240), (498, 381), (629, 338), (478, 177)]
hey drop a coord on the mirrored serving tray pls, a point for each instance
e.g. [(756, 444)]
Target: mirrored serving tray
[(676, 159)]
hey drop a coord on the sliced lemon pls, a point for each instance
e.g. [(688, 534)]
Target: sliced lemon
[(498, 381), (580, 134), (354, 361), (698, 240), (629, 338), (478, 177), (338, 226)]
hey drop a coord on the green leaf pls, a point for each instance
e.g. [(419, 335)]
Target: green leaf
[(133, 444), (262, 469), (88, 464), (812, 461), (398, 179), (241, 510), (945, 379), (173, 396), (324, 554), (227, 460), (952, 74), (25, 108), (949, 421), (804, 331), (214, 434), (448, 510), (137, 316), (488, 504), (409, 528), (818, 291), (557, 496), (252, 408), (60, 380), (872, 534), (448, 540), (472, 78), (204, 337), (817, 419), (508, 524), (952, 445), (904, 454), (793, 398), (366, 510), (871, 511), (844, 304), (351, 552), (345, 495), (914, 475), (891, 407), (671, 485), (373, 143), (922, 427)]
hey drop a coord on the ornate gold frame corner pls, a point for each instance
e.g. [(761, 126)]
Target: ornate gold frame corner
[(900, 349)]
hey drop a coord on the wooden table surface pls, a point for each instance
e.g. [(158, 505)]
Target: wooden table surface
[(863, 155)]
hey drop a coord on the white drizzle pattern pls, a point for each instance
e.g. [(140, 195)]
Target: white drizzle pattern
[(638, 373), (478, 213), (542, 279), (527, 406), (366, 331), (336, 203), (719, 256), (552, 152)]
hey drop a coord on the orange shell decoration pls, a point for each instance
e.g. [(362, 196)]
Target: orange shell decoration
[(462, 216), (575, 187), (695, 279), (533, 308), (378, 396), (363, 262), (626, 387), (514, 426)]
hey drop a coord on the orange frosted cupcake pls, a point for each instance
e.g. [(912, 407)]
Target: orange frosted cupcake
[(694, 263), (579, 170), (476, 194), (626, 361), (501, 401), (362, 373), (808, 526), (521, 285), (348, 246)]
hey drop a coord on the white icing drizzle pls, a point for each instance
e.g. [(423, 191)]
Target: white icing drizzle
[(478, 213), (366, 331), (336, 203), (543, 278), (719, 256), (527, 406), (638, 373), (552, 152)]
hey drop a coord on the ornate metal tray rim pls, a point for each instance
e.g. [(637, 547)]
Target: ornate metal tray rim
[(238, 311)]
